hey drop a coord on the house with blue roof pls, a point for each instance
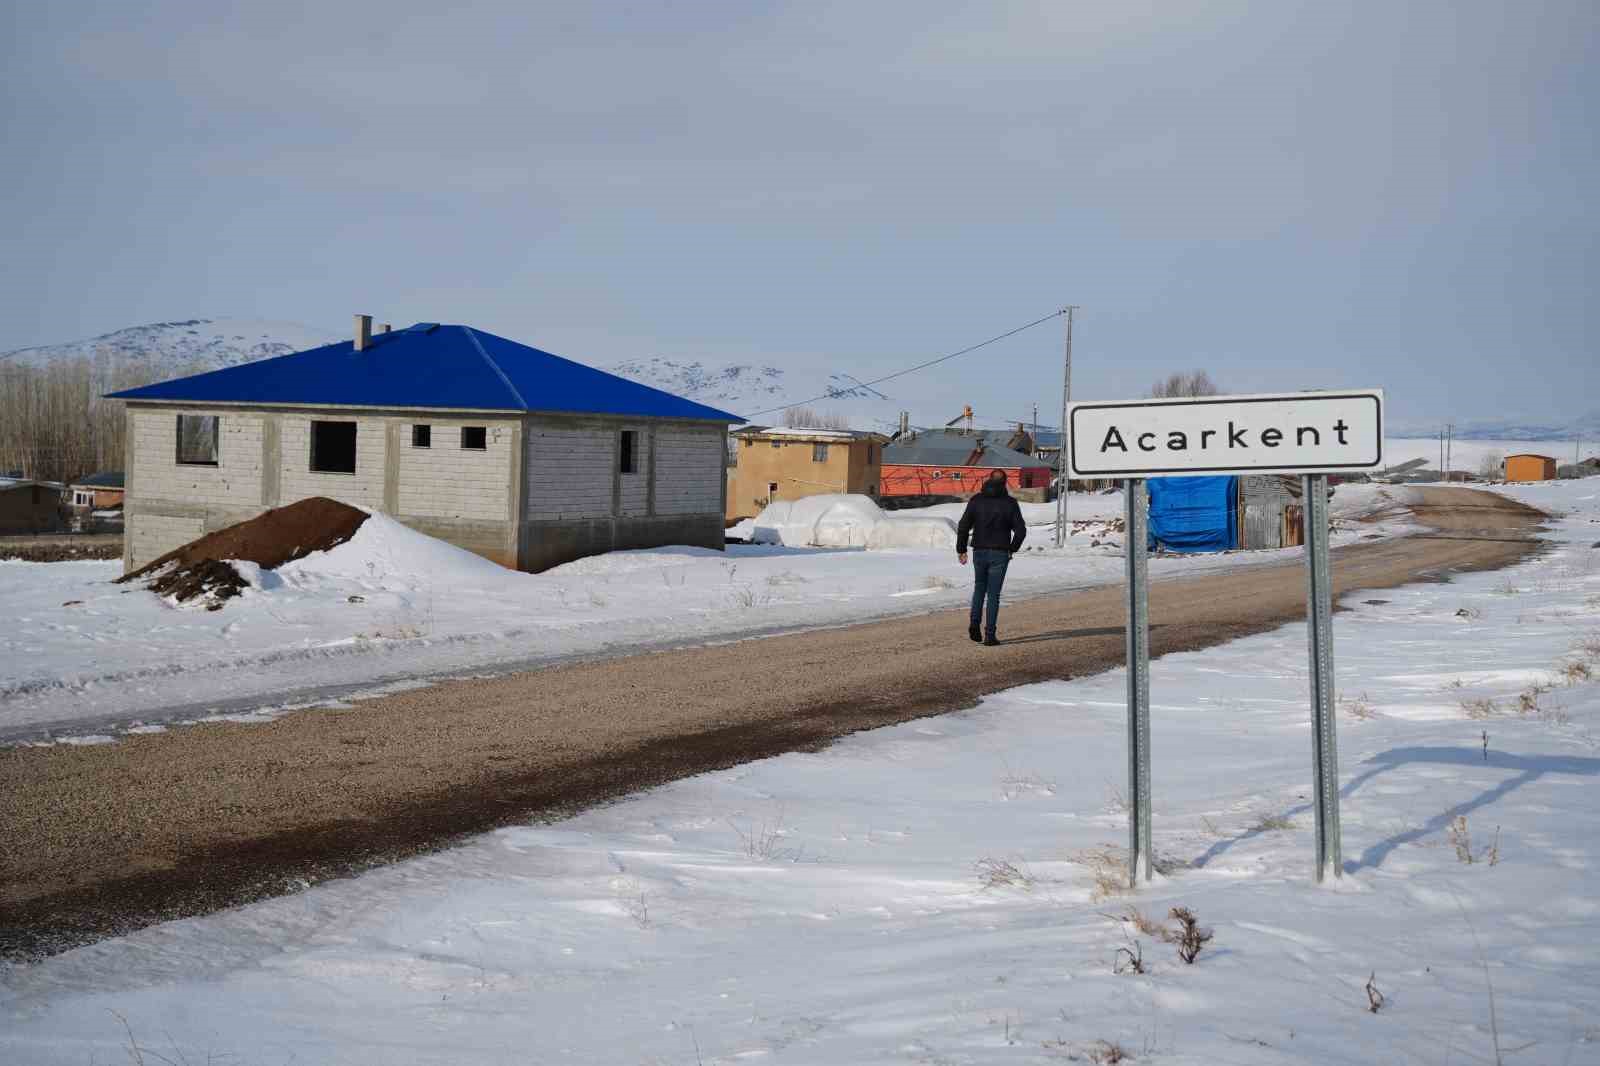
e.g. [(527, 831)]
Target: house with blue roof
[(510, 452)]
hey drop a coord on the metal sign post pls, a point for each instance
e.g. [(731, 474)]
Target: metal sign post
[(1138, 640), (1319, 618), (1308, 434)]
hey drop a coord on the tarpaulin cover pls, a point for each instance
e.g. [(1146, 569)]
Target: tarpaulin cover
[(1193, 514)]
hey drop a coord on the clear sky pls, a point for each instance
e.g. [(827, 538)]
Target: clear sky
[(1289, 194)]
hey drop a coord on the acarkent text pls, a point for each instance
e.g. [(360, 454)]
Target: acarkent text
[(1237, 437)]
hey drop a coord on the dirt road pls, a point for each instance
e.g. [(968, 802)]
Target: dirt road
[(109, 838)]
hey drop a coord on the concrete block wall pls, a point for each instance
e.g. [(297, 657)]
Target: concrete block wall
[(234, 484), (690, 470), (568, 471), (467, 497), (578, 502), (445, 480), (297, 480), (633, 490)]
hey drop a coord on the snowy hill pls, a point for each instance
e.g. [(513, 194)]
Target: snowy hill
[(747, 389), (179, 347), (1522, 429)]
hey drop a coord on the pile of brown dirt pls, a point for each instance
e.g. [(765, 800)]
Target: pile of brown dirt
[(269, 540)]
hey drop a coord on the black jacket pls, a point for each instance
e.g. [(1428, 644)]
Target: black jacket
[(993, 519)]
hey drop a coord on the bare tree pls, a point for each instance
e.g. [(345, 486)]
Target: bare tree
[(55, 426), (1191, 383), (807, 418), (1491, 465)]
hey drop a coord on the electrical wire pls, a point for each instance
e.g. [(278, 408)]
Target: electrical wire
[(914, 369)]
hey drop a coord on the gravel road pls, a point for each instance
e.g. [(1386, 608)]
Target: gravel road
[(105, 839)]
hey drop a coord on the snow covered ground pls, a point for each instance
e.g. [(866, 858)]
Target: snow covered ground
[(85, 656), (1468, 455), (947, 890)]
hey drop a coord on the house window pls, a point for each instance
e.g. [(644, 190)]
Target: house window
[(422, 436), (475, 438), (819, 453), (627, 451), (197, 440), (772, 490), (333, 447), (82, 499), (777, 444)]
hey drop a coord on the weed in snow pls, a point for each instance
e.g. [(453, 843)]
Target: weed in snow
[(1190, 937), (1461, 840), (1001, 873)]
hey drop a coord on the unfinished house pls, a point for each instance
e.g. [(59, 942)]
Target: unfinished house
[(775, 463), (520, 456)]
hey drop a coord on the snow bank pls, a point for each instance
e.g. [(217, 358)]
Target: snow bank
[(840, 521), (384, 548)]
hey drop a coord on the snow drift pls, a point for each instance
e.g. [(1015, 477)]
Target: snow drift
[(840, 521)]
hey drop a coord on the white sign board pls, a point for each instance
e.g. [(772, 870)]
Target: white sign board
[(1293, 433)]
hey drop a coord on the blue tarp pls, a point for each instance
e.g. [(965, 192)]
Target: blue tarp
[(1193, 514)]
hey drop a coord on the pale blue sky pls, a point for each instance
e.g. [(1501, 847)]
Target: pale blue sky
[(1290, 194)]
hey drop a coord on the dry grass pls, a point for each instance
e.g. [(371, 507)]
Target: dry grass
[(1272, 823), (1145, 924), (1002, 873), (1461, 840), (1480, 708), (1190, 937), (1108, 870), (1106, 1053), (1576, 672), (934, 581), (1014, 784), (763, 841), (1358, 706)]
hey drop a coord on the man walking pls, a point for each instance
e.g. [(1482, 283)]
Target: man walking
[(994, 521)]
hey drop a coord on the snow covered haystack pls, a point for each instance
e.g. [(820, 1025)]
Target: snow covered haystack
[(848, 521)]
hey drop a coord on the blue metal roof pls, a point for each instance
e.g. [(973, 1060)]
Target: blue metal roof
[(430, 365)]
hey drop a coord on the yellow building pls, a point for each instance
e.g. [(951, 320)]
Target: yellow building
[(1529, 467), (774, 463)]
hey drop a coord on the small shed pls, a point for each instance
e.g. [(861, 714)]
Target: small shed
[(28, 506), (1271, 512), (1530, 467)]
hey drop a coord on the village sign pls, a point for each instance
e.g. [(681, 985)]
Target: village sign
[(1307, 433)]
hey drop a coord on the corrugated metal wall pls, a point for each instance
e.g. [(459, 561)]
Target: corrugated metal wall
[(1265, 504)]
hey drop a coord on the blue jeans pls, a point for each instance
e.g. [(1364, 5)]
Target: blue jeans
[(988, 574)]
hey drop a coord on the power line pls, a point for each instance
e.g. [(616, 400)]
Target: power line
[(919, 366)]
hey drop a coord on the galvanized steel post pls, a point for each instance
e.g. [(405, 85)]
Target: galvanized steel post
[(1324, 736), (1137, 531)]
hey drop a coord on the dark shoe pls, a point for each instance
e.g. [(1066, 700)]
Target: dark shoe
[(972, 631), (991, 641)]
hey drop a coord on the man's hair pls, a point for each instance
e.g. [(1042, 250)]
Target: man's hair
[(997, 474)]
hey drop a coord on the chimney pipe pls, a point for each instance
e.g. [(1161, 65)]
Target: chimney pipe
[(363, 332), (383, 327)]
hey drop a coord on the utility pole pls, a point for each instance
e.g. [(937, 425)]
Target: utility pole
[(1449, 446), (1061, 450), (1033, 431)]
